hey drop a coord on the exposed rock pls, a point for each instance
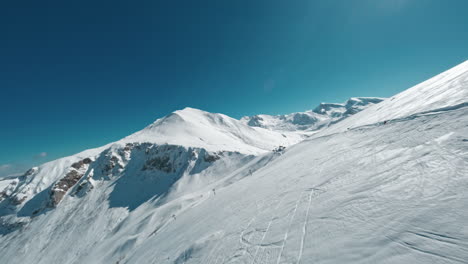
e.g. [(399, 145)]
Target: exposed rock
[(255, 121), (159, 163), (128, 146), (60, 188), (211, 158), (81, 163), (16, 201), (304, 119), (30, 172), (279, 149), (113, 161)]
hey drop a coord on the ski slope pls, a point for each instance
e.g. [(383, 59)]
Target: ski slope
[(393, 194), (359, 191)]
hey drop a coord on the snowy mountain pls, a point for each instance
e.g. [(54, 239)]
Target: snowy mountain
[(197, 187), (214, 132), (322, 116)]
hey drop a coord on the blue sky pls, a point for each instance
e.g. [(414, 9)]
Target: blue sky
[(80, 74)]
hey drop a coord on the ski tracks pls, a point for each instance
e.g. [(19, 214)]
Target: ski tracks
[(304, 228), (294, 239), (273, 236)]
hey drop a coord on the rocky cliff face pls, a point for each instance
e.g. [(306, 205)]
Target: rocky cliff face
[(77, 170), (140, 170)]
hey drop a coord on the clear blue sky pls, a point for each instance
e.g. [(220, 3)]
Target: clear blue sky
[(80, 74)]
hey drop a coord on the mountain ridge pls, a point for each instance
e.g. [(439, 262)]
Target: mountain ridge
[(325, 114)]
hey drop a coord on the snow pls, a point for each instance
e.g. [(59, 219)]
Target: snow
[(385, 194), (305, 122), (197, 187), (214, 132), (5, 182), (448, 89)]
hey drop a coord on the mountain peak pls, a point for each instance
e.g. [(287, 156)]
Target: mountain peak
[(191, 127), (190, 110)]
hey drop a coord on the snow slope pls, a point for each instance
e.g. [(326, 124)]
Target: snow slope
[(381, 194), (374, 193), (394, 194), (448, 89)]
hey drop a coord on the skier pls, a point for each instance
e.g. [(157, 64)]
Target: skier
[(385, 122), (250, 172), (173, 216), (214, 191)]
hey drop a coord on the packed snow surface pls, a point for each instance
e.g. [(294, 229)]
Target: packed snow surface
[(196, 187)]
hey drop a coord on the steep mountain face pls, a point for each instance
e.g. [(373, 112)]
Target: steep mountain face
[(322, 116), (197, 187)]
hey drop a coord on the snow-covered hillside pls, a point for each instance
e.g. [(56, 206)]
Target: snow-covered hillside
[(322, 116), (213, 132), (196, 187), (443, 92)]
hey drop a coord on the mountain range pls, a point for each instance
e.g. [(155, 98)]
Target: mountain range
[(371, 180)]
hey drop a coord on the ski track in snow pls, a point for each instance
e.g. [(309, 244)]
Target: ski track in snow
[(287, 230), (304, 228), (266, 231)]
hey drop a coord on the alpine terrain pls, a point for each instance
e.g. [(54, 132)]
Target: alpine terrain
[(371, 180)]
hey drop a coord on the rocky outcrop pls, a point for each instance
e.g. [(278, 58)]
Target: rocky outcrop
[(159, 163), (211, 157), (255, 121), (58, 191), (81, 163), (303, 119), (17, 200)]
